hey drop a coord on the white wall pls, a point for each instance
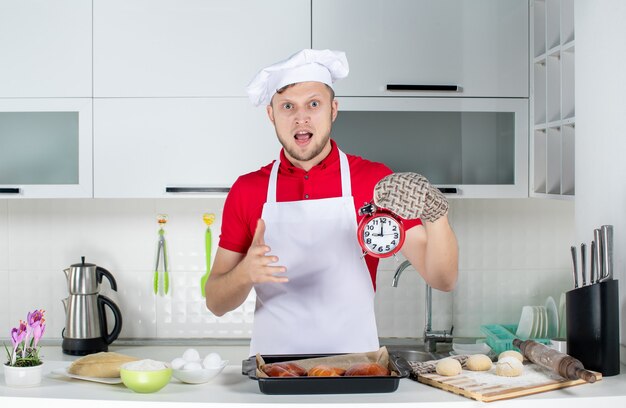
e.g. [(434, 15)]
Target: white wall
[(600, 130), (512, 253)]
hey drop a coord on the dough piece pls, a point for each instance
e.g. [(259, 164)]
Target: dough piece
[(509, 367), (100, 365), (511, 353), (367, 369), (478, 362), (448, 367), (323, 370)]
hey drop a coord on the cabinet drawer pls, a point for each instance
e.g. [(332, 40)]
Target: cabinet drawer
[(143, 146), (481, 46)]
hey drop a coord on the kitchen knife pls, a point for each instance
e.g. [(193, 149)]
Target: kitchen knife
[(607, 252), (592, 264), (573, 249), (597, 238), (583, 262)]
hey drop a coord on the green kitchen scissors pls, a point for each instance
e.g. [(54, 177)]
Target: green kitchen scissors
[(161, 253)]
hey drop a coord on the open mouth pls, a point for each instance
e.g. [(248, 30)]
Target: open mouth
[(303, 137)]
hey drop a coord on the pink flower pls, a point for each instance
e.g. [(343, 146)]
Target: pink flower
[(18, 334), (38, 333), (35, 318)]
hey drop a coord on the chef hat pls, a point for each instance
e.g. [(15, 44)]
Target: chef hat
[(324, 66)]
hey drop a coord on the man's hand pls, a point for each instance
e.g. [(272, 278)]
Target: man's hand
[(257, 263), (410, 196)]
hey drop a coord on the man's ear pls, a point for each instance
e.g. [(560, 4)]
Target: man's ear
[(270, 112), (334, 109)]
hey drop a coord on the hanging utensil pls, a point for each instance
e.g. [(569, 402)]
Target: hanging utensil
[(208, 220), (161, 255)]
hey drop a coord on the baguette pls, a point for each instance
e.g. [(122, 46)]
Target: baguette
[(100, 365)]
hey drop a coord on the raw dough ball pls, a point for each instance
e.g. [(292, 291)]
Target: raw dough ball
[(192, 365), (478, 362), (191, 355), (509, 367), (511, 353), (448, 366)]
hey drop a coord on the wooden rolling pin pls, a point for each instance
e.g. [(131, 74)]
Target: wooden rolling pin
[(564, 365)]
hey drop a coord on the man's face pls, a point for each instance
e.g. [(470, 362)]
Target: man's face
[(302, 116)]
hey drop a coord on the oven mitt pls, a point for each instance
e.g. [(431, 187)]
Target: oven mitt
[(410, 196)]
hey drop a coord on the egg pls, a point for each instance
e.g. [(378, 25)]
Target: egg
[(192, 366), (178, 363), (191, 355), (212, 360)]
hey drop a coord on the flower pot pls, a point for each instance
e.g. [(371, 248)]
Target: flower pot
[(22, 376)]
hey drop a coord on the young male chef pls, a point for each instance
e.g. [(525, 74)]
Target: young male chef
[(289, 230)]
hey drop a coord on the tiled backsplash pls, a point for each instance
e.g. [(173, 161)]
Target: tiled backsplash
[(512, 253)]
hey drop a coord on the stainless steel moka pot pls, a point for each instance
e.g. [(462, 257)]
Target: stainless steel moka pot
[(86, 330)]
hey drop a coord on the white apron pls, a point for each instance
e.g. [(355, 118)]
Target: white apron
[(328, 304)]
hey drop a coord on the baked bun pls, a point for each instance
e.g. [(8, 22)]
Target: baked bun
[(284, 370), (323, 370), (100, 365), (366, 369)]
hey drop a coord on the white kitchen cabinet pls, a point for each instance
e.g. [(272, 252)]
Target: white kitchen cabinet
[(45, 147), (163, 48), (468, 147), (45, 48), (143, 146), (481, 46), (553, 114)]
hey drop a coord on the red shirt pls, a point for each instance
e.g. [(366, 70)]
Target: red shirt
[(244, 204)]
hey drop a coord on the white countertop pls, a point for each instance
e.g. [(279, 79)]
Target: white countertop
[(232, 389)]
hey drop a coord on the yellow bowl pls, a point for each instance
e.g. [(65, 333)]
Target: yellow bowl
[(146, 381)]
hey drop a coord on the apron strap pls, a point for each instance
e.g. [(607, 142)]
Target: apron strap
[(346, 186)]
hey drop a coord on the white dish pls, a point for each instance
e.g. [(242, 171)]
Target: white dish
[(525, 326), (553, 318), (471, 348), (64, 372), (536, 323), (199, 376), (543, 318)]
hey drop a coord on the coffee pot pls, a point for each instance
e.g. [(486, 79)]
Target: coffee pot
[(86, 330)]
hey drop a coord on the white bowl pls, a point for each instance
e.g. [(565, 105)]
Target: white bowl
[(199, 376), (471, 348)]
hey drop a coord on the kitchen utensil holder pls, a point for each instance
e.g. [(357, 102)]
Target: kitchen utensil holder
[(592, 314)]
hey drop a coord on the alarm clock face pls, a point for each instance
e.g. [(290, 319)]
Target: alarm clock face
[(381, 235)]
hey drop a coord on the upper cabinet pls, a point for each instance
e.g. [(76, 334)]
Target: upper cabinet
[(45, 147), (552, 99), (476, 48), (45, 48), (165, 48), (166, 147)]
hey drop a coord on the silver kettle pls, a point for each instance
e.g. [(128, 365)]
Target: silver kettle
[(85, 278), (86, 330)]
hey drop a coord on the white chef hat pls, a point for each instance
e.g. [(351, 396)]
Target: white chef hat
[(324, 66)]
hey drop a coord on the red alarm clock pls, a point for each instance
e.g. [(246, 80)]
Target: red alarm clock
[(380, 232)]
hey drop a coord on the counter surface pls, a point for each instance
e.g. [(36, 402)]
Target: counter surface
[(232, 389)]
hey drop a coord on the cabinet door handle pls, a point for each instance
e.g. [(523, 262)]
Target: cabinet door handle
[(9, 190), (448, 190), (197, 189), (406, 87)]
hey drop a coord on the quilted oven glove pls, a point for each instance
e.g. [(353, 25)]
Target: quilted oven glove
[(410, 196)]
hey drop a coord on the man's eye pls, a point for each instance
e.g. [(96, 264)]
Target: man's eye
[(315, 104), (287, 106)]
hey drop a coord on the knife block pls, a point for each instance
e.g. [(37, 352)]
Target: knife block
[(592, 314)]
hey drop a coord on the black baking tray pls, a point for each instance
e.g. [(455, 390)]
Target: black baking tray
[(324, 385)]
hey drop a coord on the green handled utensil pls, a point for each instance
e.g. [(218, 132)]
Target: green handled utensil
[(161, 253), (208, 220)]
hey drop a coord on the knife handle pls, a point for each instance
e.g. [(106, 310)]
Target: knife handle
[(583, 262), (597, 237), (574, 260), (592, 264), (607, 251)]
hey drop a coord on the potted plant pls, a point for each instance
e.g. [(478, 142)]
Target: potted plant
[(23, 368)]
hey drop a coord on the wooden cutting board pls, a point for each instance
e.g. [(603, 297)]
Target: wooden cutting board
[(487, 386)]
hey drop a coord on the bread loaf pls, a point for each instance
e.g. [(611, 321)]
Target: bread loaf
[(366, 369), (323, 370), (100, 365), (283, 370)]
